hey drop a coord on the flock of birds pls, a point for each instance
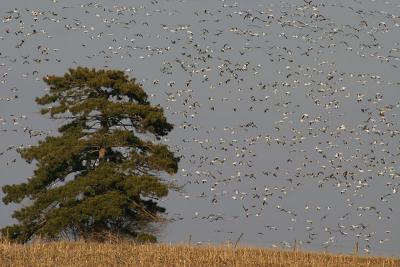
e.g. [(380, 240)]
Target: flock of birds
[(286, 113)]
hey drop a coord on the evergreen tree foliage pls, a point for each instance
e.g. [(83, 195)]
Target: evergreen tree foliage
[(102, 172)]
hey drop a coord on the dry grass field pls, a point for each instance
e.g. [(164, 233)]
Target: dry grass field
[(125, 254)]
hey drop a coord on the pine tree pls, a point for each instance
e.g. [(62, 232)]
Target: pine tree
[(102, 172)]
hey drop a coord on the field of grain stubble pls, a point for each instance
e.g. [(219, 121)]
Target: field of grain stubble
[(126, 254)]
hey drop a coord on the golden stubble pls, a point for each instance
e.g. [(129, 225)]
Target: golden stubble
[(129, 254)]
